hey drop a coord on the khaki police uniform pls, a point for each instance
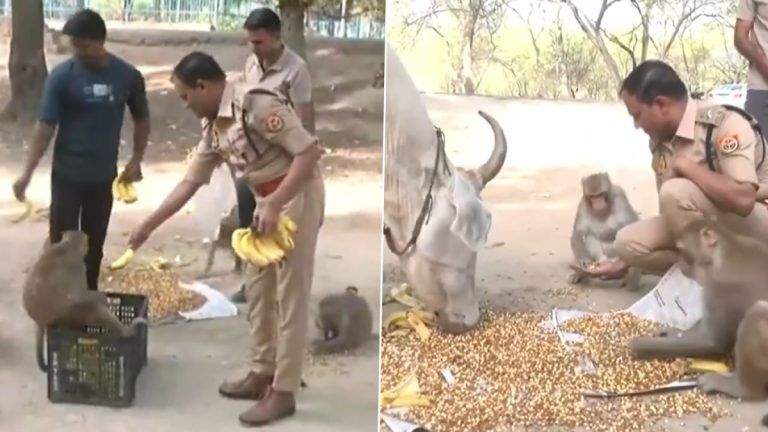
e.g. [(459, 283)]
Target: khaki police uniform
[(737, 151), (277, 296), (289, 75)]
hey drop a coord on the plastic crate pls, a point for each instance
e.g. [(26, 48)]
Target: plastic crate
[(91, 366)]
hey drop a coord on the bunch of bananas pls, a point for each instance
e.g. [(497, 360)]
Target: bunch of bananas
[(262, 250), (29, 209), (124, 190), (401, 323), (406, 393)]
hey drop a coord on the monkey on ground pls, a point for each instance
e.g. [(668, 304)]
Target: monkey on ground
[(731, 269), (344, 321), (227, 226), (55, 292), (603, 210)]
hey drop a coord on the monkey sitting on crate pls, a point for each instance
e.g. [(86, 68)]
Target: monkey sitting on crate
[(603, 210)]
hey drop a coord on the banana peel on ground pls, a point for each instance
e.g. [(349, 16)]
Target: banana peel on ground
[(405, 393), (29, 210), (401, 323), (403, 295), (261, 250)]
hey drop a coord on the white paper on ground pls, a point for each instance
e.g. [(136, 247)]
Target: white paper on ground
[(676, 301), (216, 304)]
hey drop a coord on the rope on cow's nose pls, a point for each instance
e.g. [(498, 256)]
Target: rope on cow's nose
[(426, 207)]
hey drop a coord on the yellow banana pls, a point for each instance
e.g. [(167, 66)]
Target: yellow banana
[(400, 332), (288, 224), (251, 251), (407, 391), (393, 318), (29, 209), (130, 193), (403, 297), (237, 237), (410, 400), (419, 326), (269, 249), (122, 261), (701, 366), (116, 189), (283, 237)]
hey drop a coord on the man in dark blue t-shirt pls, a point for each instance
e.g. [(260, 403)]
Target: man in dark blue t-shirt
[(85, 98)]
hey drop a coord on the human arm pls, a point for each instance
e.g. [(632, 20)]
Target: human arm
[(198, 174), (51, 111), (744, 45), (139, 109), (734, 187), (724, 191)]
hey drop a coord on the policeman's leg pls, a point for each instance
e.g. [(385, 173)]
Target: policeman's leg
[(647, 245), (96, 213), (294, 284), (260, 293)]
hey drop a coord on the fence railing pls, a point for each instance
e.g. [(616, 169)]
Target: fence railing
[(221, 14)]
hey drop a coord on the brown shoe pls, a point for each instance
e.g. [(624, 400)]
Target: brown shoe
[(254, 386), (275, 405)]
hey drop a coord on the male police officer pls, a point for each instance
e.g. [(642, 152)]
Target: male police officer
[(274, 66), (708, 160), (256, 131)]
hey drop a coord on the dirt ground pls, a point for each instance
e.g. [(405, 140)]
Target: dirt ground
[(551, 145), (187, 361)]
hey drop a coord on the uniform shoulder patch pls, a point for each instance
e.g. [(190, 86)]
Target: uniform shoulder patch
[(728, 144), (274, 123)]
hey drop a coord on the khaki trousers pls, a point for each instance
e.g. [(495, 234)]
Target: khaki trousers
[(278, 295), (649, 244)]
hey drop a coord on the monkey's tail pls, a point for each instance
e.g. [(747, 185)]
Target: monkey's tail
[(40, 355), (765, 420)]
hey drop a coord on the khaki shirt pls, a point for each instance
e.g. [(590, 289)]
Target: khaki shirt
[(275, 129), (289, 75), (756, 12), (736, 149)]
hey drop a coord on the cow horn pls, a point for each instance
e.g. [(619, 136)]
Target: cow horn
[(491, 168)]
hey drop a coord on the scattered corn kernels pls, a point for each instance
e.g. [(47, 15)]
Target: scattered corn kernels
[(511, 372), (162, 289)]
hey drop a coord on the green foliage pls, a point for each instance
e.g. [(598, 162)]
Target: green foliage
[(551, 60)]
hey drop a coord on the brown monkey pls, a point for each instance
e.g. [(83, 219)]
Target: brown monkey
[(603, 210), (750, 379), (344, 320), (56, 293), (731, 269), (228, 225)]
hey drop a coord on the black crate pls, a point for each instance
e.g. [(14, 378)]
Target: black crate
[(91, 366)]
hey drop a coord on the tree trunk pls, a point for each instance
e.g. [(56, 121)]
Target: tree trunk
[(27, 69), (292, 15)]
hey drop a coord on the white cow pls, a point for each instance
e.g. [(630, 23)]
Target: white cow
[(440, 262)]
